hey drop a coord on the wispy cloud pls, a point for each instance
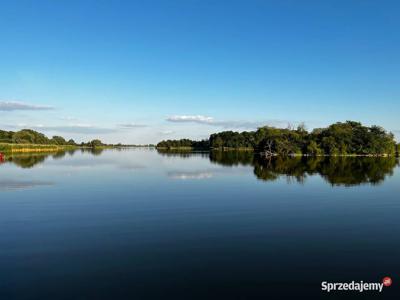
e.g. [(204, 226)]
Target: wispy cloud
[(68, 118), (69, 128), (246, 124), (191, 119), (75, 128), (15, 105), (167, 132), (131, 125), (232, 124)]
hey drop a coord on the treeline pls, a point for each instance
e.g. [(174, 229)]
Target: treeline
[(184, 143), (348, 138), (28, 136)]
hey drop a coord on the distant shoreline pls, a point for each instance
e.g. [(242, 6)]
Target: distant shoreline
[(33, 148), (37, 148), (28, 140), (227, 149)]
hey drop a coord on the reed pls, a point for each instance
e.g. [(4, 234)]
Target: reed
[(21, 148)]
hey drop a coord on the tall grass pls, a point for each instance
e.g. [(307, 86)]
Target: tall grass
[(11, 148)]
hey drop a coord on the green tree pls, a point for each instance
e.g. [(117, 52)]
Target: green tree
[(71, 142), (58, 140), (313, 149), (96, 143)]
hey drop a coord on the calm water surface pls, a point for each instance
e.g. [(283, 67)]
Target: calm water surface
[(141, 224)]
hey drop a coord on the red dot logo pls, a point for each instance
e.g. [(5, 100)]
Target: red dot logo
[(387, 281)]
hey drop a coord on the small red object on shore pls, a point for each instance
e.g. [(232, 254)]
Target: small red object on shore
[(2, 157)]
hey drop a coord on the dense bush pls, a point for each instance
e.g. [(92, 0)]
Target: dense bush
[(349, 138), (184, 143)]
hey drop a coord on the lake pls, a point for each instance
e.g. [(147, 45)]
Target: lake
[(145, 224)]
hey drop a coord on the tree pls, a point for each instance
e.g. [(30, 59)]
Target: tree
[(313, 149), (6, 136), (96, 143), (58, 140)]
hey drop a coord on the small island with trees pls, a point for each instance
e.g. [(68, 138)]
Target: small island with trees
[(340, 139), (28, 140)]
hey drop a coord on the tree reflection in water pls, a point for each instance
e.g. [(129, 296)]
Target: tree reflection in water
[(337, 170), (182, 153), (27, 161)]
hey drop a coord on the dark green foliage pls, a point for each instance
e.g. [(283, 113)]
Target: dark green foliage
[(6, 136), (349, 138), (313, 149), (231, 139), (184, 143), (353, 138), (58, 140), (96, 143), (28, 136)]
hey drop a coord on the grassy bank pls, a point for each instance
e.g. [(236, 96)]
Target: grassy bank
[(20, 148)]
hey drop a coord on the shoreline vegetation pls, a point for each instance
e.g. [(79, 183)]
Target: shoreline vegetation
[(23, 148), (340, 139), (30, 141)]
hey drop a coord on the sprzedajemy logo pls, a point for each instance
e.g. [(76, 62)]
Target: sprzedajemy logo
[(359, 286)]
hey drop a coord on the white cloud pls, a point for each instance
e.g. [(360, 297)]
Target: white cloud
[(240, 124), (15, 105), (71, 128), (191, 119), (131, 125), (229, 124), (167, 132), (68, 118)]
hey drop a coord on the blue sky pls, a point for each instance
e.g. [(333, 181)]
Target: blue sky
[(142, 71)]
